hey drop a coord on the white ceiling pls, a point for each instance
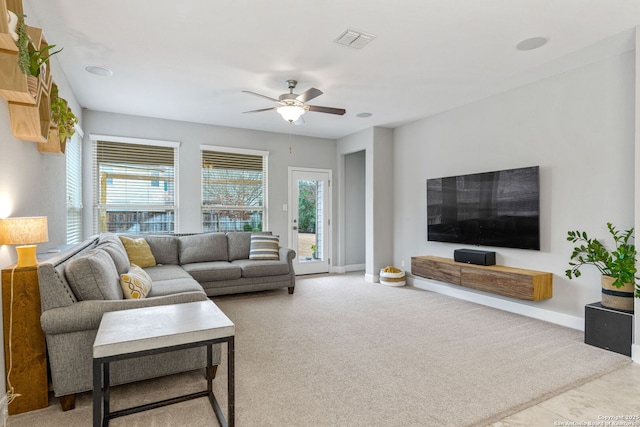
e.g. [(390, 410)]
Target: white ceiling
[(190, 59)]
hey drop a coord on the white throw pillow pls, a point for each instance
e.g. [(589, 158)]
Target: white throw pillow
[(136, 283)]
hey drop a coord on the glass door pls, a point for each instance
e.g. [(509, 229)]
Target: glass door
[(309, 218)]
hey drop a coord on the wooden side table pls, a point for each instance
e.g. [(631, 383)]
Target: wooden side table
[(27, 348)]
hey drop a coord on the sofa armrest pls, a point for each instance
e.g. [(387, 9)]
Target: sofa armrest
[(287, 254), (86, 315)]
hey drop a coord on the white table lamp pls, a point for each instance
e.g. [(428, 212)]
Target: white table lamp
[(24, 232)]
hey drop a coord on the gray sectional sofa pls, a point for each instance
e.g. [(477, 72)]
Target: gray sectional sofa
[(81, 283)]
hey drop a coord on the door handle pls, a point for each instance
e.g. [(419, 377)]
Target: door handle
[(295, 228)]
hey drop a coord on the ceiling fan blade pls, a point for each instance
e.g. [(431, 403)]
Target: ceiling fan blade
[(309, 94), (262, 109), (329, 110), (261, 96)]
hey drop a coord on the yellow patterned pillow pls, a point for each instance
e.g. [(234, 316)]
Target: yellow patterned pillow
[(136, 283), (138, 251)]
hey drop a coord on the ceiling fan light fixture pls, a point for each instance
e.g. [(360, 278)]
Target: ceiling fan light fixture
[(290, 113)]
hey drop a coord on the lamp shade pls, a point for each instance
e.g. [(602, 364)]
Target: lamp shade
[(24, 230), (290, 113)]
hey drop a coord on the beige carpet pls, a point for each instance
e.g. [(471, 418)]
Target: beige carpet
[(343, 352)]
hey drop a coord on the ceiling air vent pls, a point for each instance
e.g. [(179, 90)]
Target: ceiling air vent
[(354, 38)]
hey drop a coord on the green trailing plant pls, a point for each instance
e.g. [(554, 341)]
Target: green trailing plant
[(23, 45), (62, 115), (30, 61), (619, 263)]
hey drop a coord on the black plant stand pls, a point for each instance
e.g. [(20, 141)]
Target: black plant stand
[(608, 328)]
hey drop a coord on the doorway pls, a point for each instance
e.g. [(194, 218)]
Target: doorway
[(310, 219)]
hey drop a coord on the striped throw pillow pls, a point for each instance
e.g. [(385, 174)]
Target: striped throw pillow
[(264, 247)]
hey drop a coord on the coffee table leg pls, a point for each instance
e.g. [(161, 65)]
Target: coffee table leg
[(231, 381), (105, 394), (97, 393)]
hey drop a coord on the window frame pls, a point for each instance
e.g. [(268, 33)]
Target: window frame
[(265, 180), (96, 139), (73, 176)]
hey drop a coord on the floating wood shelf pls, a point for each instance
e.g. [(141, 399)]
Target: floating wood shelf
[(30, 115), (6, 41), (511, 282), (53, 144), (31, 122), (13, 84)]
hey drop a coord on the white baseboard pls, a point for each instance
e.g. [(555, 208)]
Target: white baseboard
[(355, 267), (573, 322), (371, 278), (348, 268)]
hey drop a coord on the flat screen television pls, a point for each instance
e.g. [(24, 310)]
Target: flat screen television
[(500, 208)]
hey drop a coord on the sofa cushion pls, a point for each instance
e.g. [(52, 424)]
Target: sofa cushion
[(139, 251), (164, 248), (114, 247), (264, 247), (213, 271), (167, 272), (240, 244), (135, 283), (202, 248), (93, 276), (262, 268), (174, 286)]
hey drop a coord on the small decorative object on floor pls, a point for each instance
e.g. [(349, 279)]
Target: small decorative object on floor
[(391, 276)]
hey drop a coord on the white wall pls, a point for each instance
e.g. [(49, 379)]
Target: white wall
[(378, 146), (32, 183), (355, 210), (284, 151), (578, 126)]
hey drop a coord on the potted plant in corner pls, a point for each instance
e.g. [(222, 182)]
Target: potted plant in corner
[(618, 267)]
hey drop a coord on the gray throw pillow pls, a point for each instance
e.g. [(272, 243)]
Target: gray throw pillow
[(240, 244), (164, 248), (202, 248), (112, 244), (94, 277)]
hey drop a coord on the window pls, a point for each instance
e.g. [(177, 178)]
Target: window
[(234, 189), (135, 182), (74, 187)]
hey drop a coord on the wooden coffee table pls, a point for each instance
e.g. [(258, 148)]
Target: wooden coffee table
[(161, 329)]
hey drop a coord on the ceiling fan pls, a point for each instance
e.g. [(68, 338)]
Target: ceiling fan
[(292, 106)]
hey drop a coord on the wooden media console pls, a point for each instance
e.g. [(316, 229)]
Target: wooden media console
[(511, 282)]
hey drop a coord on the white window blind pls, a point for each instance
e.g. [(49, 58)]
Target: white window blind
[(234, 190), (74, 188), (135, 186)]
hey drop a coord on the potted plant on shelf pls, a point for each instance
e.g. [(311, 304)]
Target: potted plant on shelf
[(314, 251), (62, 116), (618, 267), (31, 61)]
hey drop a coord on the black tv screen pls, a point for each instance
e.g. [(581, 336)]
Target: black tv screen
[(500, 208)]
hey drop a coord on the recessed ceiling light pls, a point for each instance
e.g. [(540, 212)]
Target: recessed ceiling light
[(532, 43), (364, 115), (98, 71)]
